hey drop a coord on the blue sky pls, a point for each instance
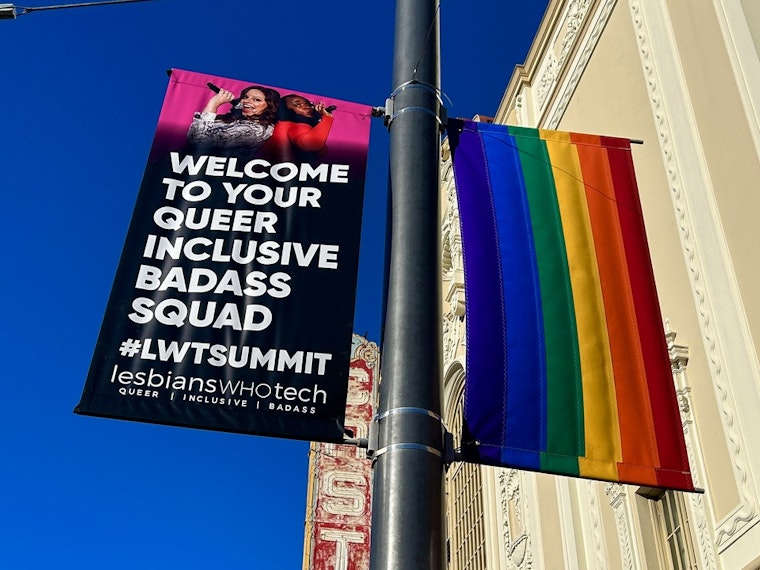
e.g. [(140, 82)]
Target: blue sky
[(81, 92)]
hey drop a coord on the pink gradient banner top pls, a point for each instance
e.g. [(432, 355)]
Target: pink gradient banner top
[(188, 93)]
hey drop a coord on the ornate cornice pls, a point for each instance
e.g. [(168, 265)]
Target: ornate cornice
[(554, 115), (563, 40), (556, 65)]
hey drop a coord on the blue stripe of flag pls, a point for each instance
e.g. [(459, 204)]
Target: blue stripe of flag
[(526, 371), (486, 385)]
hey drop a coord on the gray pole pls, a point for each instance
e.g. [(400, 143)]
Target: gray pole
[(407, 506)]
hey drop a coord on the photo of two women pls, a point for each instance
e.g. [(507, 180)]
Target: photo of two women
[(261, 123)]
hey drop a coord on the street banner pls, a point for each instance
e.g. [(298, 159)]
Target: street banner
[(232, 306), (567, 365)]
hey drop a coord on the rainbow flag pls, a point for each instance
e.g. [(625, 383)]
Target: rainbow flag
[(567, 364)]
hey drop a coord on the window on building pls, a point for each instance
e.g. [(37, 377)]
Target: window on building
[(464, 496), (466, 525), (673, 532)]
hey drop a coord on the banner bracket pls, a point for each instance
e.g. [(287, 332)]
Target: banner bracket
[(390, 113), (408, 410), (362, 442), (372, 444)]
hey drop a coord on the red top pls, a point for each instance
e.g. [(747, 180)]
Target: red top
[(289, 139)]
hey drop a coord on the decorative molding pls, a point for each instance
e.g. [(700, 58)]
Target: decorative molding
[(745, 515), (557, 60), (596, 525), (699, 520), (576, 13), (451, 240), (520, 110), (515, 535), (546, 80), (453, 401), (562, 43), (617, 494), (578, 65), (452, 272), (452, 336)]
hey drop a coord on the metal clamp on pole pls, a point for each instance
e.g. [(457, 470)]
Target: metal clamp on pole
[(449, 454), (391, 113), (408, 410), (413, 446)]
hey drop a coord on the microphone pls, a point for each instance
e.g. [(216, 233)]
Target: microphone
[(235, 102)]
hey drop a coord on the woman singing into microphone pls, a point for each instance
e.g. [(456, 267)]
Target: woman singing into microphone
[(241, 131), (300, 133)]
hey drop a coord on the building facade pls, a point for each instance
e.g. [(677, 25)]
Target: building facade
[(683, 76)]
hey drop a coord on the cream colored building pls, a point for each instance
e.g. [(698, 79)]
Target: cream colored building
[(683, 76)]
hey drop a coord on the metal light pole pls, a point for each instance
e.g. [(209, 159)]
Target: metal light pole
[(407, 510), (11, 11)]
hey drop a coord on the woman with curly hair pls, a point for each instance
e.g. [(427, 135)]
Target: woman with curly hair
[(242, 130)]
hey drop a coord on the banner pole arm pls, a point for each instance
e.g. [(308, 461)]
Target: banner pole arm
[(407, 505)]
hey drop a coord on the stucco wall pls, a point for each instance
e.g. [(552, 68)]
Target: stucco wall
[(751, 10)]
